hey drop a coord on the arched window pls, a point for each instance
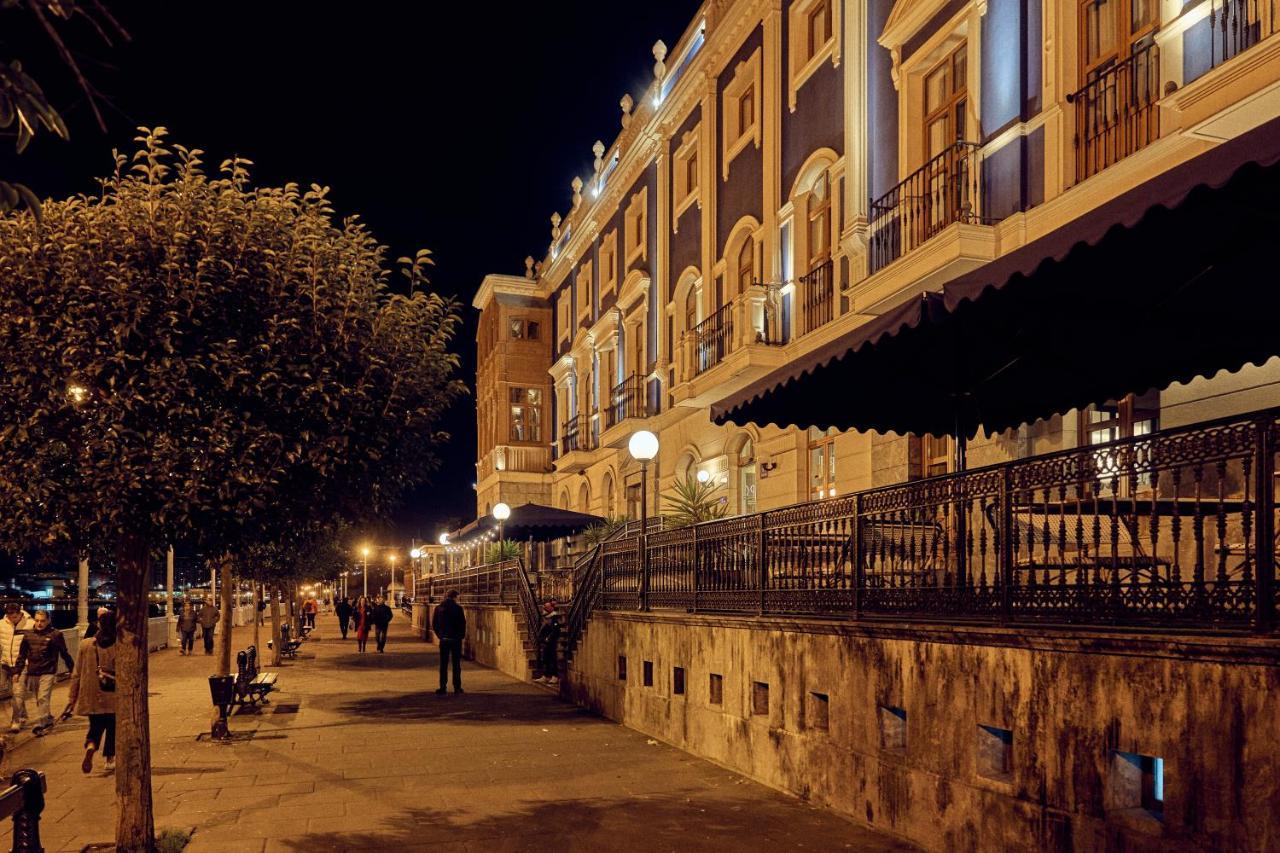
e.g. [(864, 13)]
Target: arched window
[(691, 308), (819, 220), (584, 498), (610, 498), (746, 264), (564, 498), (747, 476)]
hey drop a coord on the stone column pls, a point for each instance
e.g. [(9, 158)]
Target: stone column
[(171, 617), (82, 597)]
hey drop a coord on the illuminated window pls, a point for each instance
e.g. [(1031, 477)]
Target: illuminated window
[(1127, 417), (930, 456), (584, 291), (822, 463), (517, 329), (740, 111), (526, 414), (945, 97), (819, 221), (685, 173), (609, 264), (636, 227), (747, 477), (691, 309), (746, 264), (564, 315)]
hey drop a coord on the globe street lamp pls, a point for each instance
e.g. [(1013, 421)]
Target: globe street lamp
[(444, 543), (364, 567), (501, 512), (644, 447)]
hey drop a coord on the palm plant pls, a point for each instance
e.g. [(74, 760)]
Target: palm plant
[(602, 530), (691, 502), (507, 549)]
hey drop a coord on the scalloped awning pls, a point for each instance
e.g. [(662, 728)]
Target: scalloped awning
[(1176, 278)]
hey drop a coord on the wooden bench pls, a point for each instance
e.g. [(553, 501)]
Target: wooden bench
[(252, 686), (288, 647)]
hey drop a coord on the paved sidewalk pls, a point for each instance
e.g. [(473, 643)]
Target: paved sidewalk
[(356, 752)]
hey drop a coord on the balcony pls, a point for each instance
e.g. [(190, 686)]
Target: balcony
[(1116, 112), (737, 344), (1237, 25), (714, 338), (817, 293), (576, 445), (945, 191), (627, 402)]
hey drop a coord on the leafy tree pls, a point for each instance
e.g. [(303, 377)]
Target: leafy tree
[(190, 358), (690, 502)]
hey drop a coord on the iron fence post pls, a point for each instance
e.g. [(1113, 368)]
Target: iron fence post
[(858, 573), (1264, 576), (26, 820), (1004, 553), (760, 561), (695, 568)]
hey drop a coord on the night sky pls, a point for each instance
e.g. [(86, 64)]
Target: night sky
[(446, 125)]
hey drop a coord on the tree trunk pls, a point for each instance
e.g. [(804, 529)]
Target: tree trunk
[(257, 611), (135, 825), (228, 602), (275, 625)]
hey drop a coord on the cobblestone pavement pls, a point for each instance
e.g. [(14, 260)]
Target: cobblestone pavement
[(356, 752)]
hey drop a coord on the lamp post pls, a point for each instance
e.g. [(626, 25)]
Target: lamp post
[(364, 568), (444, 543), (391, 572), (501, 512), (644, 447), (416, 554)]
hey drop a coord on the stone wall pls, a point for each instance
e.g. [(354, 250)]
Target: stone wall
[(495, 639), (964, 739)]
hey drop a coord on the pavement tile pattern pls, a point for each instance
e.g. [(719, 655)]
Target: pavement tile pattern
[(357, 752)]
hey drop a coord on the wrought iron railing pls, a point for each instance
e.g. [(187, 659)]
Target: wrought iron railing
[(491, 583), (819, 294), (626, 400), (714, 337), (1174, 529), (942, 192), (574, 437), (1237, 25), (1116, 111)]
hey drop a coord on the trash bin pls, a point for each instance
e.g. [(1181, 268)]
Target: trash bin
[(222, 689)]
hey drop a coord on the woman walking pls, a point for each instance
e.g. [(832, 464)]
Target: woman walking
[(187, 623), (93, 693), (362, 617)]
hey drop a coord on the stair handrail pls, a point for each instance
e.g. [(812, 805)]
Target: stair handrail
[(528, 601)]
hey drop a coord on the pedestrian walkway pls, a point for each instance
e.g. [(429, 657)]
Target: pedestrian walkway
[(357, 752)]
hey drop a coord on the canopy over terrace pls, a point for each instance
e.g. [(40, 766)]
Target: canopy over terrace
[(1174, 279), (527, 522)]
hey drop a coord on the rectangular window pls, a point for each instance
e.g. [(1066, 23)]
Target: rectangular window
[(526, 414), (893, 727), (609, 263), (759, 699), (677, 681), (584, 291), (635, 227), (622, 663), (1136, 782), (517, 329), (531, 330), (647, 672), (818, 31), (945, 96), (716, 696), (822, 463), (817, 715), (995, 753), (685, 171)]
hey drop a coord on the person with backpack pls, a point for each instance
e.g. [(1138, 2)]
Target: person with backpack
[(93, 693), (381, 617)]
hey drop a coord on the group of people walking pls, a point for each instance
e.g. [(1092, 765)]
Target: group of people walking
[(30, 648), (363, 616), (206, 618)]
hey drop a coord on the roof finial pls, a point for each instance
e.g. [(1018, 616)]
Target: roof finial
[(626, 103)]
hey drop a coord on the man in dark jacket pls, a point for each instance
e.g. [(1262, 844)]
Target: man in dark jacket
[(208, 619), (450, 626), (381, 617), (38, 662), (343, 609), (549, 637)]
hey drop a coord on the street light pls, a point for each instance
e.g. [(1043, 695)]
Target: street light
[(644, 447), (391, 588), (501, 512), (364, 552)]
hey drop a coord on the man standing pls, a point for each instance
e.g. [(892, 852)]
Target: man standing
[(208, 619), (38, 664), (343, 609), (15, 624), (450, 626), (381, 621)]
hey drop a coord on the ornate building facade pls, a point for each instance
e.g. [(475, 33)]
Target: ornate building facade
[(796, 169)]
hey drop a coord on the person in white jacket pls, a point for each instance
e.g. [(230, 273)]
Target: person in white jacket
[(13, 626)]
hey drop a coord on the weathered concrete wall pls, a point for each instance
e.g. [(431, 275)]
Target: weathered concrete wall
[(928, 771)]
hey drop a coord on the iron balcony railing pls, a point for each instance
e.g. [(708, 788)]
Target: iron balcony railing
[(1174, 529), (1237, 25), (944, 191), (573, 436), (491, 583), (626, 400), (818, 292), (714, 337), (1116, 111)]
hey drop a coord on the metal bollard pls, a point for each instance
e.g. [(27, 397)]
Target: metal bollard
[(26, 820)]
